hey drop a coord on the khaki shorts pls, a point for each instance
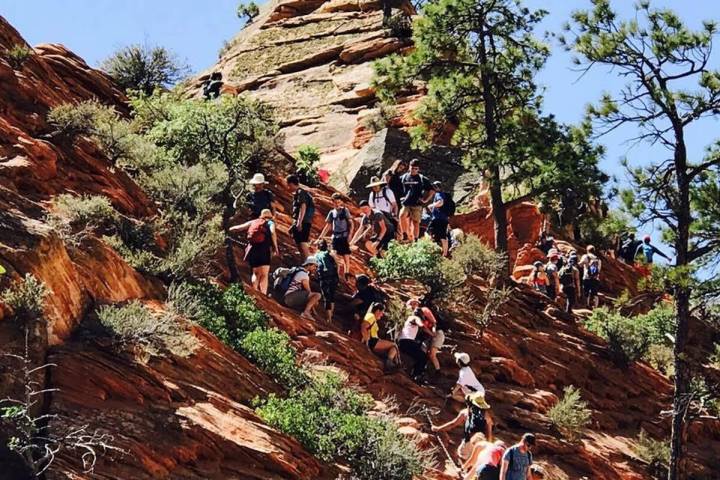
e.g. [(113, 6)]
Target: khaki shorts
[(438, 340), (415, 213)]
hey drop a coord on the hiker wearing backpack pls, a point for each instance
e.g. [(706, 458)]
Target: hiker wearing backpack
[(340, 222), (212, 86), (260, 198), (648, 250), (569, 278), (516, 460), (441, 209), (538, 279), (628, 249), (303, 210), (329, 278), (552, 268), (382, 197), (380, 224), (370, 330), (436, 336), (417, 190), (409, 343), (297, 292), (262, 242), (592, 267), (392, 177)]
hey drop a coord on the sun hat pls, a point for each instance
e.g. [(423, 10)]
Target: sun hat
[(462, 357), (310, 261), (538, 264), (410, 302), (258, 179), (266, 213), (478, 399), (437, 183), (375, 182)]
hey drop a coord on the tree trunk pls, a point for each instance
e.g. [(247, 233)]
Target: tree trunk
[(228, 212), (682, 309)]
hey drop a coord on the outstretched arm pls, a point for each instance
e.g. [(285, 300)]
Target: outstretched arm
[(241, 227)]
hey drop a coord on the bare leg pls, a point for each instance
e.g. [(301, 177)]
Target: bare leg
[(305, 249), (255, 279), (432, 354), (313, 300), (444, 245), (264, 274)]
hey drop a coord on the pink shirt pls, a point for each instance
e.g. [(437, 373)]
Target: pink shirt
[(491, 455)]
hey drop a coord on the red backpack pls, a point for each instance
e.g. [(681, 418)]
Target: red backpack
[(257, 233)]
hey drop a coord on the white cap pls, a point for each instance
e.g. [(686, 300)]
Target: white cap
[(310, 261), (258, 179), (463, 358)]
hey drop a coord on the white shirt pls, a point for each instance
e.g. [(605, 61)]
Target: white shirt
[(469, 382), (409, 331), (382, 200)]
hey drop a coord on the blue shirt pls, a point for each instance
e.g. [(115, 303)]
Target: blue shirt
[(437, 212), (519, 463)]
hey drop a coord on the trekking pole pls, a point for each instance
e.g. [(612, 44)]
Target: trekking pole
[(420, 409)]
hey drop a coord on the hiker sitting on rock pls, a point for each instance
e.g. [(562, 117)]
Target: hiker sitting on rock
[(410, 344), (476, 416), (436, 339), (303, 210), (417, 191), (341, 223), (457, 237), (381, 226), (382, 197), (262, 242), (298, 294), (370, 330), (328, 276), (260, 198), (517, 460), (441, 209)]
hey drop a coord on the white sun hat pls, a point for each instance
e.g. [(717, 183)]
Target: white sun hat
[(258, 179)]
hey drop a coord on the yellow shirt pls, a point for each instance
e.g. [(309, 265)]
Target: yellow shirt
[(374, 329)]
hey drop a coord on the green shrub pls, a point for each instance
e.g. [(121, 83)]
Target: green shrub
[(627, 339), (381, 118), (655, 453), (476, 258), (420, 261), (662, 359), (571, 414), (135, 325), (74, 216), (185, 190), (17, 55), (270, 349), (27, 297), (400, 25), (330, 419), (144, 68), (247, 11), (306, 164)]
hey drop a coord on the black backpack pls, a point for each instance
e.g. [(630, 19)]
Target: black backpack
[(448, 207), (566, 276), (282, 278), (475, 421)]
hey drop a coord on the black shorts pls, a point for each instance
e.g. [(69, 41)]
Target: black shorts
[(328, 289), (258, 255), (301, 235), (438, 229), (591, 286), (385, 242), (341, 246), (372, 342)]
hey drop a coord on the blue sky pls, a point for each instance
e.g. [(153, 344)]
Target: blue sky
[(195, 31)]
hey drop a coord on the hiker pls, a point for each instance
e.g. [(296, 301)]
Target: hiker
[(417, 190), (381, 225), (628, 249), (538, 279), (303, 209), (545, 242), (484, 461), (382, 197), (409, 344), (262, 242), (591, 266), (340, 221), (329, 278), (437, 338), (441, 209), (370, 330), (569, 278), (260, 198), (516, 460), (649, 250), (476, 415), (392, 177), (298, 294), (212, 86), (552, 267), (365, 295)]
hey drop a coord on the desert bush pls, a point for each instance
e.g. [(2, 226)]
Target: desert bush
[(247, 11), (330, 419), (306, 164), (420, 261), (144, 68), (74, 216), (476, 258), (134, 325), (270, 349), (17, 55), (571, 414), (27, 297), (627, 340), (655, 453), (661, 358), (381, 118)]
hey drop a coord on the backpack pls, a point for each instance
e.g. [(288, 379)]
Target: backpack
[(340, 225), (257, 233), (327, 267), (593, 269), (566, 276), (282, 278), (551, 268), (448, 207), (382, 194), (475, 421)]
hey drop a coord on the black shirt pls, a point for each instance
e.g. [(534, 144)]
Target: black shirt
[(258, 201), (414, 188), (302, 197), (367, 296)]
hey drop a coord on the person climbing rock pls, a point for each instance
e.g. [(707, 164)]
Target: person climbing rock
[(370, 330), (382, 197), (538, 279), (365, 295), (417, 190), (552, 268), (569, 278), (436, 340), (592, 266), (628, 249), (303, 209), (212, 86), (484, 461), (329, 278), (516, 460), (442, 209), (340, 222), (409, 344), (649, 250), (378, 225), (262, 242), (299, 295), (260, 198), (546, 242)]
